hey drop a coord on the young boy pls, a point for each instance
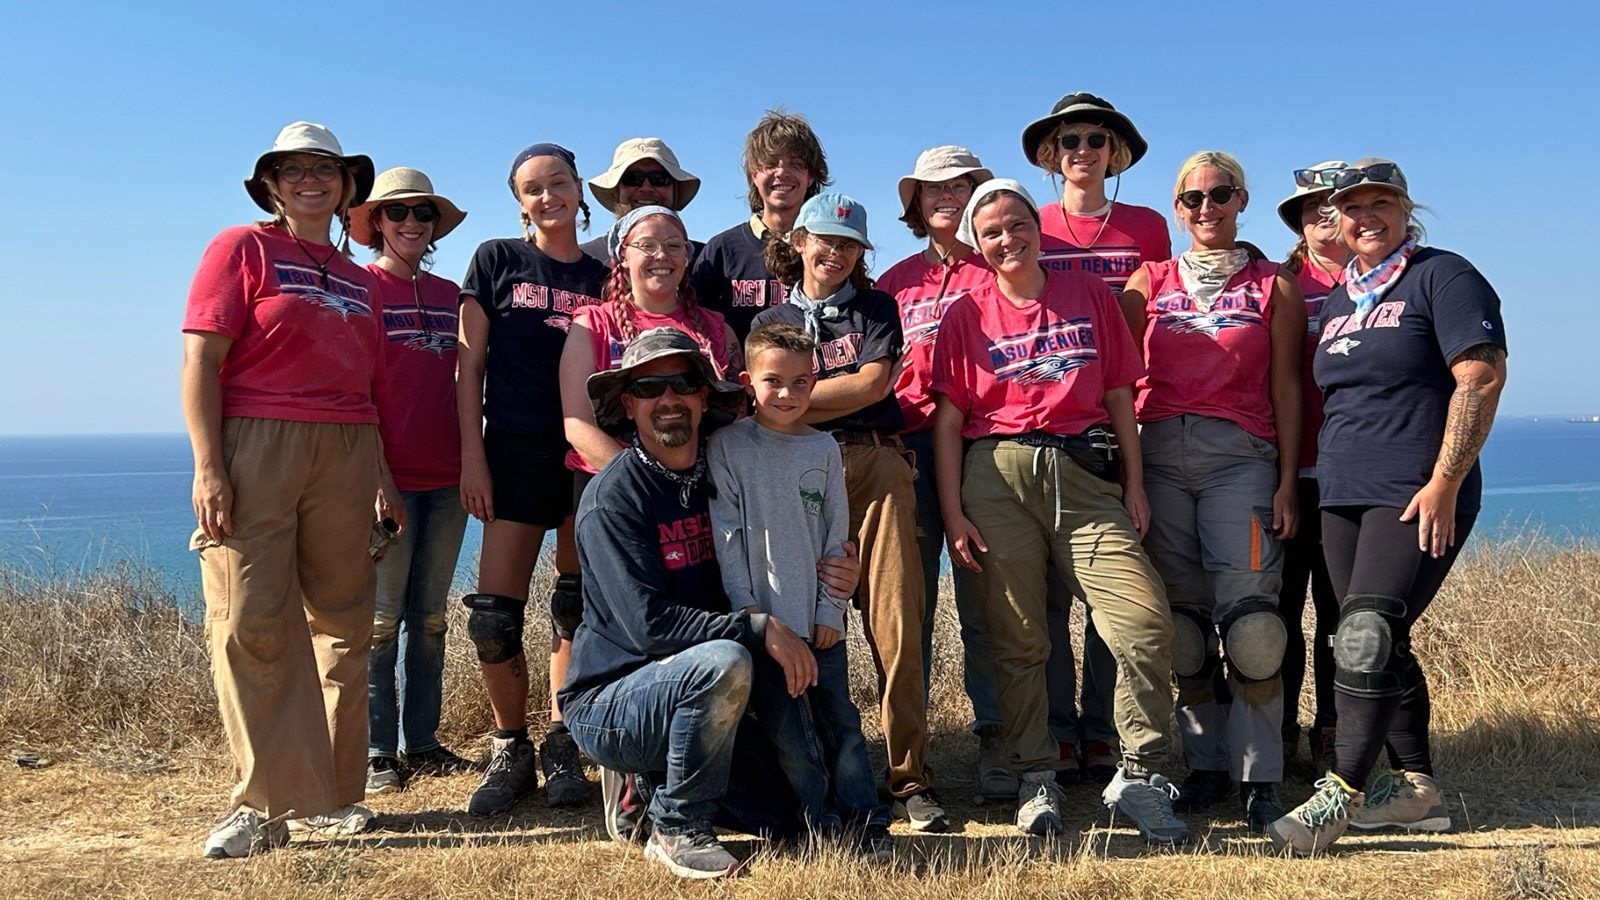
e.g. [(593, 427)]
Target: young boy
[(778, 507)]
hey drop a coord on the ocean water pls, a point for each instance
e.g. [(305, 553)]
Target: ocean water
[(77, 503)]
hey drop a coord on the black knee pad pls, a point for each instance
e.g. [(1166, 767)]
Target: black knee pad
[(1194, 644), (495, 626), (1253, 641), (566, 605), (1370, 652)]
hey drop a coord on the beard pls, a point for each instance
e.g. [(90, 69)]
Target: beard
[(672, 434)]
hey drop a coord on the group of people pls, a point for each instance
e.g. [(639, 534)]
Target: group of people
[(738, 441)]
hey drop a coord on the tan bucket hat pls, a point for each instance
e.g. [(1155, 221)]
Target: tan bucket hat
[(630, 151), (941, 163), (1317, 179), (403, 184), (307, 137)]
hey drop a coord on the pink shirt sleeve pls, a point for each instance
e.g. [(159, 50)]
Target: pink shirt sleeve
[(230, 274), (950, 366), (1119, 352)]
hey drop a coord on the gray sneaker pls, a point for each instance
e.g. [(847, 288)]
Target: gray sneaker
[(996, 781), (510, 775), (693, 854), (564, 784), (1148, 805), (1039, 803), (348, 819), (383, 776), (924, 811), (242, 833)]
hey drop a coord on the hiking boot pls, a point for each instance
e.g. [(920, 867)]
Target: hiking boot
[(996, 781), (1321, 744), (1407, 800), (1148, 805), (242, 833), (1313, 825), (876, 845), (924, 811), (347, 819), (564, 784), (623, 812), (1100, 761), (1067, 770), (1261, 805), (1039, 802), (437, 761), (510, 774), (383, 776), (693, 854), (1202, 788)]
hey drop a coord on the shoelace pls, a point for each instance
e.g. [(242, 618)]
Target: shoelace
[(499, 762), (1331, 802), (1388, 786), (563, 757), (1164, 795)]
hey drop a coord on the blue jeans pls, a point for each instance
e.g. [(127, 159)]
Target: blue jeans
[(409, 626), (678, 716), (817, 740), (977, 656)]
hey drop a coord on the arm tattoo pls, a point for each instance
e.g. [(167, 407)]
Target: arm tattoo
[(1470, 415)]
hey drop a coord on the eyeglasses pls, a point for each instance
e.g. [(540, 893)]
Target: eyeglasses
[(1069, 140), (649, 387), (675, 249), (961, 188), (1220, 195), (635, 178), (422, 212), (322, 171), (1381, 173), (1316, 177), (841, 245)]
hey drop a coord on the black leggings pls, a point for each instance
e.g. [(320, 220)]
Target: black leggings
[(1303, 564), (1370, 551)]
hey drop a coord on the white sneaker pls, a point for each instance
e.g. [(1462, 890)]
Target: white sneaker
[(348, 819), (243, 832)]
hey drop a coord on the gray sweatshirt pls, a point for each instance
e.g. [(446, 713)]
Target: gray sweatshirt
[(778, 507)]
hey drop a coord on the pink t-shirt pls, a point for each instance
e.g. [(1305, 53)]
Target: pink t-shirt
[(1209, 363), (417, 407), (608, 342), (1315, 285), (1042, 367), (305, 348), (1132, 235), (924, 292)]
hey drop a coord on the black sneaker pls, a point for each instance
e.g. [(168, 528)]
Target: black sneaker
[(1261, 805), (924, 811), (876, 844), (437, 761), (1202, 788), (512, 773), (383, 776), (564, 784)]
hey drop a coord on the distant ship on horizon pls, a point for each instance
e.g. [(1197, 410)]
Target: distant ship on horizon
[(1585, 420)]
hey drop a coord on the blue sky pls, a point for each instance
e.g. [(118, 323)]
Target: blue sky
[(129, 127)]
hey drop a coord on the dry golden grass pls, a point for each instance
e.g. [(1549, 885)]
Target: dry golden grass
[(106, 678)]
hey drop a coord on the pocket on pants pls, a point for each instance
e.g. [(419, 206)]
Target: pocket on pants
[(1265, 551), (215, 581)]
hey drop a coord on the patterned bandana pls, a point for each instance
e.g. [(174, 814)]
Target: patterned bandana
[(686, 481), (1366, 289), (825, 310), (1206, 272)]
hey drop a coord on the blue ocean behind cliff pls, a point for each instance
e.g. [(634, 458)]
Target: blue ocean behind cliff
[(76, 503)]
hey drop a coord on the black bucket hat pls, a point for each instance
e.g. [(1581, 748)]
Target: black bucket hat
[(1083, 107), (724, 400)]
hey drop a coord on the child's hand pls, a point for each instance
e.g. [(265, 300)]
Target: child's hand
[(823, 637)]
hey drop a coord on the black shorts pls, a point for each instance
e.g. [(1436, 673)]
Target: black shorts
[(532, 483), (580, 480)]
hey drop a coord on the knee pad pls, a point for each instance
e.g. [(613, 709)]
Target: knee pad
[(1194, 644), (1369, 660), (495, 626), (1253, 641), (566, 605)]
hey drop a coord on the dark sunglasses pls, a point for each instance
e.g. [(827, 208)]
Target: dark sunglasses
[(650, 387), (1382, 173), (1315, 177), (1220, 195), (637, 178), (1071, 140), (422, 212)]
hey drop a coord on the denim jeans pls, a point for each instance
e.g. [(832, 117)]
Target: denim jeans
[(977, 670), (678, 716), (405, 678), (817, 741)]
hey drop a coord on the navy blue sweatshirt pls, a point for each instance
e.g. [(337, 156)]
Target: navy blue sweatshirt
[(651, 585)]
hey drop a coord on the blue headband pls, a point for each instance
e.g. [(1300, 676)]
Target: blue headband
[(533, 150), (621, 227)]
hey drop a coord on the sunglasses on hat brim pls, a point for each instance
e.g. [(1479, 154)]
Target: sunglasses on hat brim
[(1315, 177), (1377, 173)]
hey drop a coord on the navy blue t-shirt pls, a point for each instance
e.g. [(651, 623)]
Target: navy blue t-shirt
[(866, 329), (529, 299), (731, 277), (1386, 382)]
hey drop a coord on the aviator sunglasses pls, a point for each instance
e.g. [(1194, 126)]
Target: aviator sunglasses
[(1071, 140), (422, 212), (1381, 173), (1220, 196), (1316, 177), (649, 387), (635, 179)]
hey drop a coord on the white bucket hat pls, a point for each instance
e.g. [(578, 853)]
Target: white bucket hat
[(604, 186), (941, 163), (307, 137), (965, 232), (1317, 179), (403, 184)]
